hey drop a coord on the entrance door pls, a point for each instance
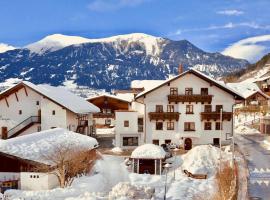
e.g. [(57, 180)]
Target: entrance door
[(216, 141), (188, 144)]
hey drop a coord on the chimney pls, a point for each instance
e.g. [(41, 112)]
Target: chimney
[(4, 133), (180, 69)]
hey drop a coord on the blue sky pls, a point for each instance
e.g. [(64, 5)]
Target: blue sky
[(212, 25)]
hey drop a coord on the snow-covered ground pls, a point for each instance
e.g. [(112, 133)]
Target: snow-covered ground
[(245, 130), (112, 180), (105, 131)]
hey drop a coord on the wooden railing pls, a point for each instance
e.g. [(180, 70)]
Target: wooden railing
[(216, 116), (164, 116), (103, 115), (190, 98)]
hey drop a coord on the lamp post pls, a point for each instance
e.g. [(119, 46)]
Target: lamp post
[(166, 166), (220, 138)]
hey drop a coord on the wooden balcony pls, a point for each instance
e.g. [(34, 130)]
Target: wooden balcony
[(103, 115), (216, 116), (190, 98), (164, 116)]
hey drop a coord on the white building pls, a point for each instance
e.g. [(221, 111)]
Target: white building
[(27, 108), (22, 156), (185, 108)]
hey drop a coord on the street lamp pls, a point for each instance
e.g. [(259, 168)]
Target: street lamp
[(167, 166)]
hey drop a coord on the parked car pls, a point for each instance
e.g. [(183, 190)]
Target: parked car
[(167, 150)]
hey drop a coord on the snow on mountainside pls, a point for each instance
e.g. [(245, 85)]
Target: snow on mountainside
[(109, 63), (5, 47), (55, 42)]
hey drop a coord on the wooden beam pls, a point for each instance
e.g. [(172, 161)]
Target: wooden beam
[(25, 91), (6, 102), (16, 96)]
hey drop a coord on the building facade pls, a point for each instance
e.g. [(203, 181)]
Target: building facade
[(183, 110)]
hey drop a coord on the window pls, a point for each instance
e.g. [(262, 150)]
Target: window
[(20, 112), (207, 126), (159, 125), (189, 126), (108, 121), (189, 109), (208, 108), (173, 91), (218, 126), (216, 141), (170, 125), (204, 91), (53, 112), (218, 108), (37, 103), (170, 108), (106, 110), (130, 141), (168, 141), (159, 108), (156, 142), (126, 123), (188, 91)]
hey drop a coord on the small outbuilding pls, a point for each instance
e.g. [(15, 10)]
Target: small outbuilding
[(147, 159), (265, 125)]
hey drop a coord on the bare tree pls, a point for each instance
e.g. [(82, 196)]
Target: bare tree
[(67, 162)]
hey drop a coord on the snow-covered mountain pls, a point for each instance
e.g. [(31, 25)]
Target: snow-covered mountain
[(109, 63), (5, 47)]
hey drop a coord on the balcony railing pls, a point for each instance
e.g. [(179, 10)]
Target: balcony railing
[(216, 116), (103, 115), (164, 116), (190, 98)]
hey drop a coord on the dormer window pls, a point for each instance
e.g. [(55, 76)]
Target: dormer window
[(204, 91), (173, 91), (188, 91)]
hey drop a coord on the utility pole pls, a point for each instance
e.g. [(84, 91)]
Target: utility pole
[(220, 138)]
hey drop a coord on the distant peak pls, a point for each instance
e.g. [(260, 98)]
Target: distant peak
[(5, 47)]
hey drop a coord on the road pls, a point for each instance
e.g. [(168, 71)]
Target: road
[(258, 161)]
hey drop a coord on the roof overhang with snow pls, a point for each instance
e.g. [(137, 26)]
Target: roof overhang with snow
[(59, 96), (236, 95)]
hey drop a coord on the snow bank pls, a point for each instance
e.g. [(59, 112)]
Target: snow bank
[(127, 191), (203, 159), (117, 150), (36, 146), (245, 130), (148, 151)]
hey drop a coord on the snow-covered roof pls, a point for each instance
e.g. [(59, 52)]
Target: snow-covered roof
[(146, 84), (118, 97), (197, 73), (37, 146), (246, 89), (148, 151), (63, 97), (127, 96)]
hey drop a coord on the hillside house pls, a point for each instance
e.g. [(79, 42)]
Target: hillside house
[(108, 104), (27, 108), (183, 109), (23, 157)]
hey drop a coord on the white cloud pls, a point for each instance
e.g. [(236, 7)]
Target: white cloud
[(229, 25), (251, 49), (230, 12), (109, 5)]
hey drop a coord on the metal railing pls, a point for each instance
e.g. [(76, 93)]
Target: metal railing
[(23, 124)]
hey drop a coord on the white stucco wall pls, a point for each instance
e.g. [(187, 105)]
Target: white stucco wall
[(131, 131), (38, 181)]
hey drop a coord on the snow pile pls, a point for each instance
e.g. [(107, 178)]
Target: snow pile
[(5, 47), (148, 151), (125, 190), (241, 129), (117, 150), (37, 146), (105, 131), (203, 159)]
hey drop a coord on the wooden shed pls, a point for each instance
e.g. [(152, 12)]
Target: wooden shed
[(147, 159)]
